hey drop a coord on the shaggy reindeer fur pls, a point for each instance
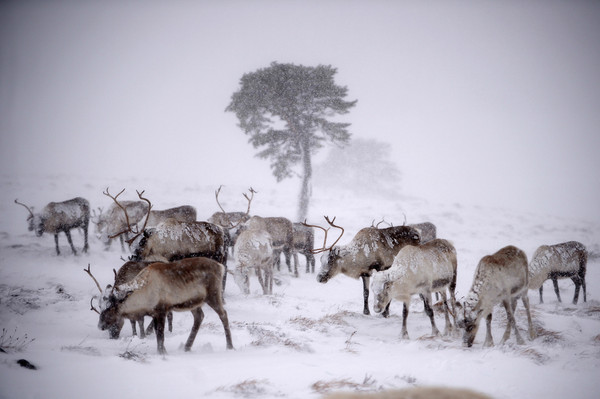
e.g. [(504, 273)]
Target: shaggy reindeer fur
[(162, 287), (566, 260), (423, 269), (499, 278)]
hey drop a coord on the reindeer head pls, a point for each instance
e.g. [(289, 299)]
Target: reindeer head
[(329, 264), (110, 318), (381, 287), (35, 220), (469, 321)]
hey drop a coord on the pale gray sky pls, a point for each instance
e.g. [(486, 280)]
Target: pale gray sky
[(482, 103)]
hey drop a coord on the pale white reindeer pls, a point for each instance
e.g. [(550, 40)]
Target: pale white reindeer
[(565, 260), (499, 278), (253, 250), (184, 285), (422, 270)]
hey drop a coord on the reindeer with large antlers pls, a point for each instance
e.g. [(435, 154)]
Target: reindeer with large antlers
[(61, 216), (370, 249), (162, 287), (125, 274)]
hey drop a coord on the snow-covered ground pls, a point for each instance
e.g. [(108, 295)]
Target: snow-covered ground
[(305, 339)]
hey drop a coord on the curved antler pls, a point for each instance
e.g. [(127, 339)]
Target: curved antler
[(331, 223), (249, 199), (129, 229), (26, 207), (89, 271), (92, 306)]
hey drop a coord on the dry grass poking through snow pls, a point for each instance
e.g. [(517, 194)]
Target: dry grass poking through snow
[(367, 385)]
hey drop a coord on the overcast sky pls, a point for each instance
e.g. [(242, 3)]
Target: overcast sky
[(493, 104)]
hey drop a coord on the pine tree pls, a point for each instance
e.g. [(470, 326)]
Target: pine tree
[(287, 110)]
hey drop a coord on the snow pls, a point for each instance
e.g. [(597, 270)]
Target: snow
[(305, 338)]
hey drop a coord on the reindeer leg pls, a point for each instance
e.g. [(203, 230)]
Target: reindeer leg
[(217, 305), (555, 282), (577, 282), (85, 236), (68, 234), (489, 341), (260, 280), (295, 256), (287, 254), (366, 279), (198, 317), (159, 327), (532, 334), (541, 296), (170, 320), (583, 286), (404, 317), (448, 327), (429, 311), (511, 322), (141, 324), (133, 329), (56, 242)]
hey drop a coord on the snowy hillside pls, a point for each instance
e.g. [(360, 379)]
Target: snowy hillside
[(304, 340)]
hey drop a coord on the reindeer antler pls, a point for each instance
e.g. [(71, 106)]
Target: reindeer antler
[(325, 248), (89, 271), (26, 207), (129, 229), (249, 199)]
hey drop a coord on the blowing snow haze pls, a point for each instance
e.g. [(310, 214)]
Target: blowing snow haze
[(491, 104)]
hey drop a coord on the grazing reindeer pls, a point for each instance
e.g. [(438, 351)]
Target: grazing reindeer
[(423, 269), (566, 260), (231, 222), (370, 249), (61, 216), (254, 249), (281, 231), (184, 213), (162, 287), (304, 242), (120, 215), (499, 278), (126, 273)]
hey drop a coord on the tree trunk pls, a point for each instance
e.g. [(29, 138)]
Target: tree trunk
[(305, 189)]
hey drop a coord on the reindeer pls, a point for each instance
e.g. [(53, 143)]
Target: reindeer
[(231, 222), (565, 260), (370, 249), (499, 278), (254, 249), (304, 242), (281, 231), (184, 213), (126, 273), (61, 216), (423, 269), (162, 287), (118, 218)]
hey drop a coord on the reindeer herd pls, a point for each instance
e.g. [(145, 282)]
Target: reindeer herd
[(179, 263)]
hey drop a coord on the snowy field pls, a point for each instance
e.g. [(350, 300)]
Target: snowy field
[(307, 338)]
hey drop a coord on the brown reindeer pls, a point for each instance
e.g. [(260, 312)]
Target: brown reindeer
[(370, 249), (304, 242), (61, 216), (162, 287), (499, 278), (126, 273), (231, 222)]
